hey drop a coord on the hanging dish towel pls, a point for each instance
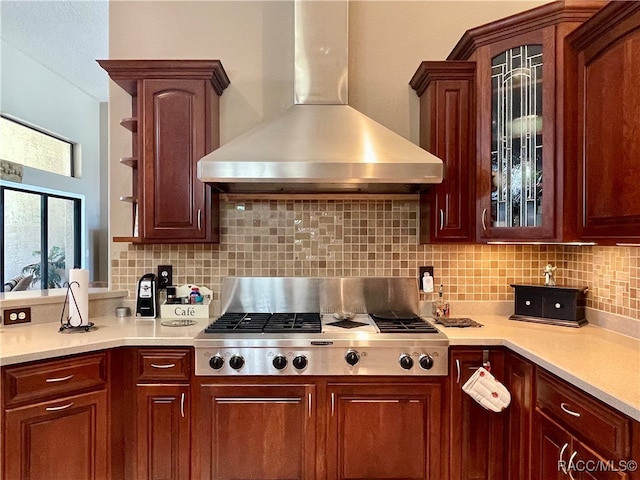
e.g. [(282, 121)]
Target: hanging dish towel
[(487, 391)]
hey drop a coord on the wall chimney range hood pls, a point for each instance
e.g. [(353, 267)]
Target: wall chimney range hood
[(320, 144)]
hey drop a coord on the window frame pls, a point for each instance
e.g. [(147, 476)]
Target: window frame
[(72, 145), (45, 193)]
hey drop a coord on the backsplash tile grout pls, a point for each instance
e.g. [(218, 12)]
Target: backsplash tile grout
[(378, 238)]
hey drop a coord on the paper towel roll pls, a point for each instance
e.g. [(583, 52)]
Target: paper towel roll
[(79, 301)]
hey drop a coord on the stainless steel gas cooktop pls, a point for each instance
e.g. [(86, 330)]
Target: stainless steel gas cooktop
[(329, 326)]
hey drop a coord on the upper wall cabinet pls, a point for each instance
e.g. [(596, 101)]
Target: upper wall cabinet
[(174, 123), (608, 119), (525, 185), (447, 129)]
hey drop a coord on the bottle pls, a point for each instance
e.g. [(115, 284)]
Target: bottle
[(427, 282), (440, 307), (195, 296)]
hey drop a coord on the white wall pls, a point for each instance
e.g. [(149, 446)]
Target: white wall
[(32, 93), (254, 40)]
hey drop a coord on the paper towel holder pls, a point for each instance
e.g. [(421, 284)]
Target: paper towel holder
[(66, 326)]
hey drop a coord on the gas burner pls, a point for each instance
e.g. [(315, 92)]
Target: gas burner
[(386, 323), (347, 324), (266, 322)]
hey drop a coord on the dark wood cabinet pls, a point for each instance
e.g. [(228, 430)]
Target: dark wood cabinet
[(163, 413), (525, 176), (254, 431), (519, 380), (576, 436), (608, 117), (389, 430), (447, 129), (175, 122), (163, 432), (56, 419), (476, 434)]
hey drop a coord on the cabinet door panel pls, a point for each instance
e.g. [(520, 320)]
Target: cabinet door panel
[(58, 440), (551, 450), (174, 141), (384, 431), (257, 432), (609, 137), (519, 380), (476, 433), (163, 432)]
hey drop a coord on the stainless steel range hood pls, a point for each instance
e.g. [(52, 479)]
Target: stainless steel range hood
[(321, 144)]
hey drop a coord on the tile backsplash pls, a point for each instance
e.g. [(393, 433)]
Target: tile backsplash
[(278, 237)]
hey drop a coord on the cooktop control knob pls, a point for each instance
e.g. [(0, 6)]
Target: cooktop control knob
[(300, 362), (279, 362), (406, 361), (352, 357), (216, 362), (236, 362), (426, 361)]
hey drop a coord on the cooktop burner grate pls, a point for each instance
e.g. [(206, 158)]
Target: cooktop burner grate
[(293, 322), (403, 325), (266, 322)]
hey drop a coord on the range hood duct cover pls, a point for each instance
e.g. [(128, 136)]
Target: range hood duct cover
[(320, 144)]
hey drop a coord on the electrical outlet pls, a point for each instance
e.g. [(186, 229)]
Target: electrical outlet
[(165, 276), (11, 316), (423, 270)]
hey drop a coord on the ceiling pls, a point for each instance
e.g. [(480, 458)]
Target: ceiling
[(65, 36)]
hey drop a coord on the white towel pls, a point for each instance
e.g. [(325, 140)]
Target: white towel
[(487, 391)]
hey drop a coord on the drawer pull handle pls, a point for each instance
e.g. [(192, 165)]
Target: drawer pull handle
[(310, 404), (182, 404), (573, 455), (557, 305), (59, 379), (458, 370), (61, 407), (527, 303), (565, 409), (561, 461), (166, 365)]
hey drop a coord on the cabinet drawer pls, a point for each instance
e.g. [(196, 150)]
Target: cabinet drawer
[(528, 302), (54, 378), (561, 306), (597, 424), (164, 365)]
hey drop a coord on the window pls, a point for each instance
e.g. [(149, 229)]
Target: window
[(41, 238), (32, 148), (39, 228)]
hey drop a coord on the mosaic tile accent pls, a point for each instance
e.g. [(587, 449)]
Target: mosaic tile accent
[(378, 238)]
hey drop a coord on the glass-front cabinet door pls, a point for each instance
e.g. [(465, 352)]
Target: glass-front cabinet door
[(516, 137), (516, 182)]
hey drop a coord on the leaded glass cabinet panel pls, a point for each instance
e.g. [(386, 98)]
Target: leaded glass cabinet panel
[(516, 137)]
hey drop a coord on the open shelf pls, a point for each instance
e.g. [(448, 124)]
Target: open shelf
[(130, 124), (129, 161)]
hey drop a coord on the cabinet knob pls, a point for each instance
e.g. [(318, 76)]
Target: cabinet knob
[(557, 305), (527, 303)]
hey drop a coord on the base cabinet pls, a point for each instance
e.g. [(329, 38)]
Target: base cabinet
[(163, 432), (476, 434), (55, 419), (256, 431), (389, 431)]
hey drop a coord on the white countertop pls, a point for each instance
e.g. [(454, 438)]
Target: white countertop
[(599, 361)]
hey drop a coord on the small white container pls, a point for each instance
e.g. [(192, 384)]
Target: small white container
[(188, 310)]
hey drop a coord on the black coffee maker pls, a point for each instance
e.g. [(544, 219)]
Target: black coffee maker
[(147, 297)]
